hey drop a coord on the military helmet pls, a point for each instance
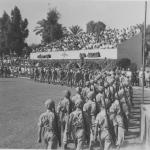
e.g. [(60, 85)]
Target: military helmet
[(99, 97), (87, 83), (98, 77), (91, 81), (100, 89), (78, 103), (67, 93), (90, 95), (106, 84), (49, 104), (78, 89)]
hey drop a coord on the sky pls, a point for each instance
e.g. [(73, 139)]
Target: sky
[(115, 14)]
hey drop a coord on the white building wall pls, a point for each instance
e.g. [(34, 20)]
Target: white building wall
[(75, 54)]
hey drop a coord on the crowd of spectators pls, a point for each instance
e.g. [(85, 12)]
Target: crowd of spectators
[(109, 38)]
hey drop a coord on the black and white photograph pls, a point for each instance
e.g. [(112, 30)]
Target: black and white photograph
[(75, 74)]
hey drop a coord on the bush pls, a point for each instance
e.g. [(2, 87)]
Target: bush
[(123, 63), (73, 65), (133, 67), (92, 65)]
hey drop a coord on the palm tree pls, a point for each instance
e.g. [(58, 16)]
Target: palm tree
[(65, 31), (40, 29), (75, 30)]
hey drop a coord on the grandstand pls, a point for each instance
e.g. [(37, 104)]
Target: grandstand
[(109, 39), (114, 44)]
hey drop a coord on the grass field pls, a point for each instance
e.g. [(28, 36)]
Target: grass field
[(21, 103)]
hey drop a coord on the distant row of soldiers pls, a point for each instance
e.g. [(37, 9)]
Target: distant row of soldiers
[(5, 72), (97, 113), (61, 76)]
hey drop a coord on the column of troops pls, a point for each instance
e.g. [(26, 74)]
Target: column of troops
[(69, 77), (97, 114)]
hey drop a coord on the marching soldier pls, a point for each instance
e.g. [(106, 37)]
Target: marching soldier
[(48, 126), (78, 95), (90, 108), (86, 90), (119, 121), (99, 99), (86, 76), (78, 122), (64, 109), (102, 126)]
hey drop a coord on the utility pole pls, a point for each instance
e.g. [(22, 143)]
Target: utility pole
[(143, 50)]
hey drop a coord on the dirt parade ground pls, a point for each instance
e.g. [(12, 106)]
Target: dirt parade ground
[(21, 103)]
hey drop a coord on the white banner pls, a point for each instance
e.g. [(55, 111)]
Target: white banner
[(75, 54)]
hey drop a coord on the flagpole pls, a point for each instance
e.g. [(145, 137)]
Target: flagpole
[(143, 79)]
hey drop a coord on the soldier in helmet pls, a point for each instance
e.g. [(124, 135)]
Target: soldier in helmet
[(102, 126), (49, 75), (78, 125), (47, 126), (99, 98), (64, 109), (86, 76), (90, 108), (119, 122), (86, 90), (70, 77), (36, 74), (78, 95)]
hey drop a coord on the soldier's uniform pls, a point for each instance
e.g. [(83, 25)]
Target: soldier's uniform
[(78, 95), (101, 124), (86, 76), (42, 74), (118, 121), (77, 122), (49, 75), (36, 74), (90, 108), (86, 90), (54, 76), (64, 108), (107, 93), (99, 99), (70, 78), (47, 125), (78, 78)]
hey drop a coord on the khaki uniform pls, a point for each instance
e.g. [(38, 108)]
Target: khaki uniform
[(90, 108), (102, 125), (118, 122), (77, 128), (99, 101), (76, 97), (64, 109), (85, 91), (48, 123)]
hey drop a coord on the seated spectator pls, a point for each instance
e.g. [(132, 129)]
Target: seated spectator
[(110, 38)]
